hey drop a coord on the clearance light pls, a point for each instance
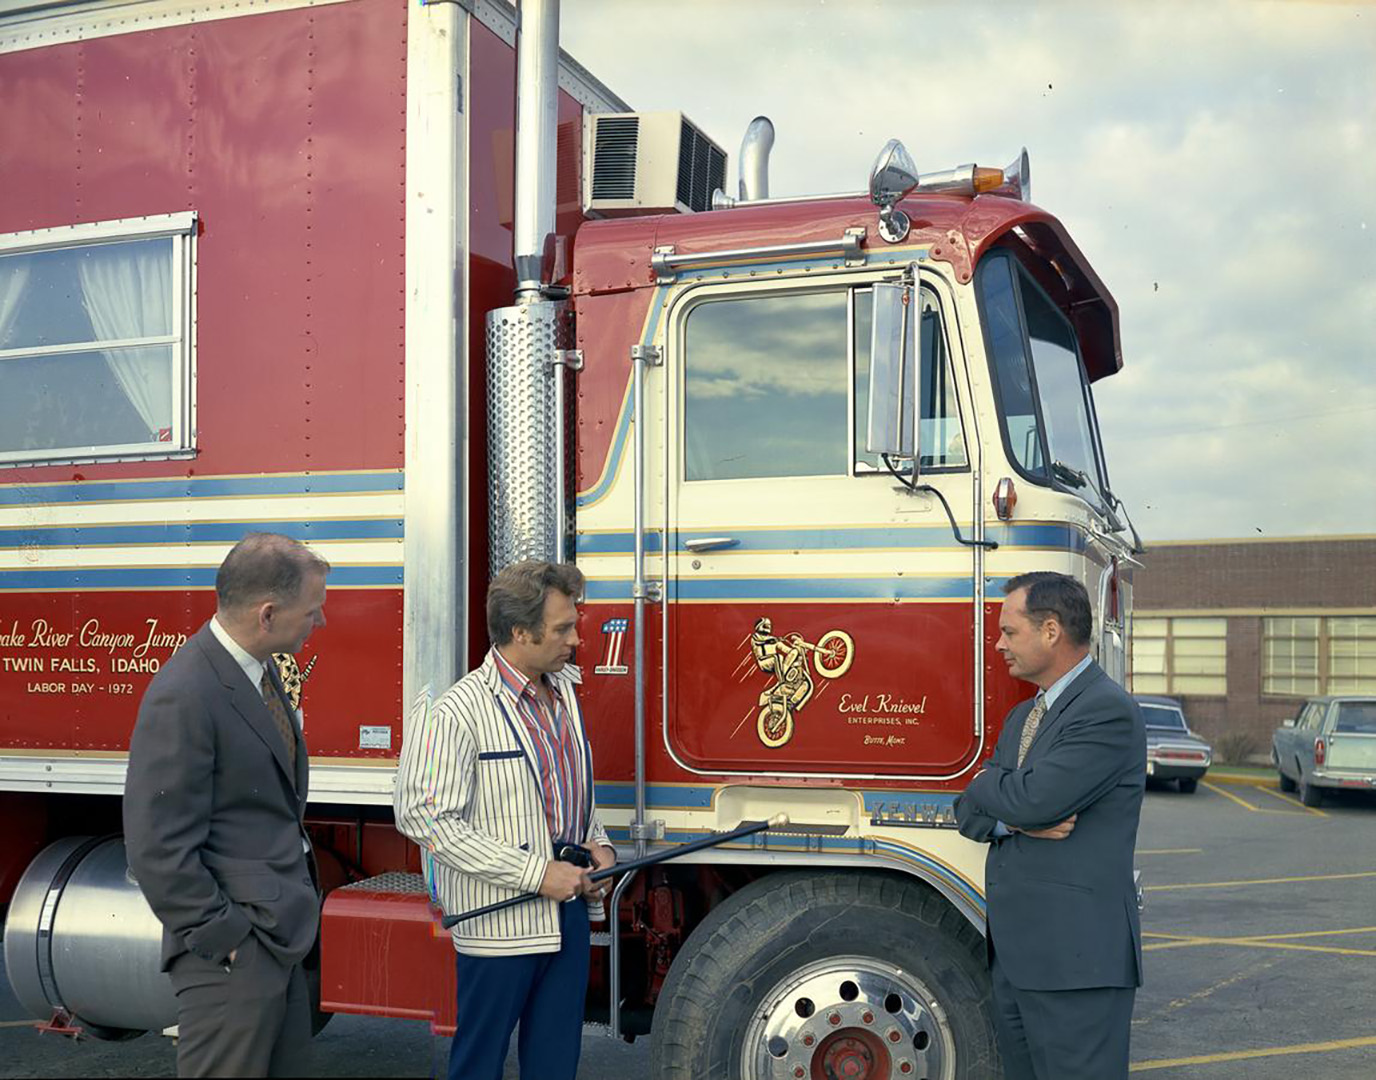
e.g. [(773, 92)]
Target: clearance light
[(1014, 180), (986, 179), (1319, 751), (1005, 499)]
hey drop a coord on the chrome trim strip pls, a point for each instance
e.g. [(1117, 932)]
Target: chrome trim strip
[(436, 329)]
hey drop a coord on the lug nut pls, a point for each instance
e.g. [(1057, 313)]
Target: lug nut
[(808, 1039), (834, 1019), (799, 1071), (905, 1066), (867, 1017), (894, 1035)]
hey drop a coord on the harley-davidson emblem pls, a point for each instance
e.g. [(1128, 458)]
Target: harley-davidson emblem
[(791, 660)]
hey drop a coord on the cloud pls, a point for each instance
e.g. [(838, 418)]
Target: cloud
[(1212, 160)]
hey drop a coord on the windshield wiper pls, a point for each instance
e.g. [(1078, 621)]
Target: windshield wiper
[(1068, 475)]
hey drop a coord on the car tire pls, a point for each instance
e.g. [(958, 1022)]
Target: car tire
[(1286, 784), (872, 952), (1189, 787), (1309, 794)]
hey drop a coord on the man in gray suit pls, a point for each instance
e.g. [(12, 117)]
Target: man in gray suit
[(213, 808), (1058, 803)]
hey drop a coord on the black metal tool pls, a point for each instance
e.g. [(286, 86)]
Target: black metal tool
[(778, 821)]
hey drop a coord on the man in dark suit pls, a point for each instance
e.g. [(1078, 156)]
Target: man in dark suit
[(213, 808), (1059, 803)]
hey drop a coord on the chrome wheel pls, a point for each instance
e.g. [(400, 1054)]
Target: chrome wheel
[(849, 1018)]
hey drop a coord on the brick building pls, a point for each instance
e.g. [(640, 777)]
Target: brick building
[(1243, 630)]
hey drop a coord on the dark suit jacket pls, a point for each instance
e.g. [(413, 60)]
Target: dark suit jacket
[(212, 814), (1063, 913)]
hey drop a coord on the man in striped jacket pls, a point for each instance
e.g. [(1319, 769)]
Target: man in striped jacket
[(494, 776)]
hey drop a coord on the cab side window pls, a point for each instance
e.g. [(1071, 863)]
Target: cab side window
[(941, 441), (764, 387), (778, 385)]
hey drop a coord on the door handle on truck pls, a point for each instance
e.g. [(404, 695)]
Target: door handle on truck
[(710, 543)]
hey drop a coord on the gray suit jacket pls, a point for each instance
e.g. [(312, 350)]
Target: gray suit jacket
[(212, 814), (1063, 913)]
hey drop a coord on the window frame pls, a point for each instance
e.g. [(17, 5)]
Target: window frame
[(1169, 659), (1020, 273), (710, 293), (1324, 675), (181, 229)]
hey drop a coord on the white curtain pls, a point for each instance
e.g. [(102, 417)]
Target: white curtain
[(14, 272), (127, 292)]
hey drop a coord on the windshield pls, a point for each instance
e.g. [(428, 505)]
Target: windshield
[(1163, 716), (1044, 397)]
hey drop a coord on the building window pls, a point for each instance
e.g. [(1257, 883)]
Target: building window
[(95, 340), (1307, 655), (1180, 656), (1290, 657)]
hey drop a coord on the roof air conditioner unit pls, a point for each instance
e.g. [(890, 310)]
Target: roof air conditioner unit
[(649, 163)]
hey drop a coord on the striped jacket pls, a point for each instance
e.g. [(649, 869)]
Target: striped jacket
[(468, 792)]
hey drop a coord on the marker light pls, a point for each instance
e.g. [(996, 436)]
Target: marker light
[(1005, 499), (987, 179)]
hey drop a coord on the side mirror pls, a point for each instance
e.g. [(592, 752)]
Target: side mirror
[(1288, 722), (893, 176), (892, 371)]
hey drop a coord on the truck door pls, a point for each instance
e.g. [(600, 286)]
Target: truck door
[(820, 617)]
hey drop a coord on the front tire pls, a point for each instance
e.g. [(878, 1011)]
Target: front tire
[(848, 974)]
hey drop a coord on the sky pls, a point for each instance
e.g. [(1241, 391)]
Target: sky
[(1215, 161)]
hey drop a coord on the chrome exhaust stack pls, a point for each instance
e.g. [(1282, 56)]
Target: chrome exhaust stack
[(529, 493), (754, 159)]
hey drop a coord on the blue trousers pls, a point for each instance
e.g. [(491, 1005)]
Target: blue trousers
[(543, 992)]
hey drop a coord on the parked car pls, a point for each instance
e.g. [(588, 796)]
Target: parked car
[(1174, 752), (1331, 743)]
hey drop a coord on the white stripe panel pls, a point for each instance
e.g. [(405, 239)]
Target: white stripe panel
[(338, 552), (385, 504)]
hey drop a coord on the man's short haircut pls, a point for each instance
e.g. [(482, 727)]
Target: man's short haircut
[(516, 597), (1059, 595), (265, 566)]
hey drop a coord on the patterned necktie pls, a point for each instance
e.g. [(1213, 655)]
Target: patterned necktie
[(278, 711), (1029, 727)]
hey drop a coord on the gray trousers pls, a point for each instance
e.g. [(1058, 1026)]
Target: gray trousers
[(251, 1020), (1062, 1034)]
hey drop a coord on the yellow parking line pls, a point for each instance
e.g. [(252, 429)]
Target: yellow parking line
[(1245, 1055), (1228, 795), (1241, 802), (1172, 851), (1174, 941), (1257, 881), (1313, 933), (1292, 801)]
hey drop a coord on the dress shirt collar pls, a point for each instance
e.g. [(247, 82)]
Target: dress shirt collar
[(253, 669), (1057, 688), (514, 678)]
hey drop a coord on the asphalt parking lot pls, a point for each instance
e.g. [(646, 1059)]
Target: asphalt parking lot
[(1260, 939)]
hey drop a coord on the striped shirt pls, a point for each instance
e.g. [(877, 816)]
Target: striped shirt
[(560, 761), (468, 793)]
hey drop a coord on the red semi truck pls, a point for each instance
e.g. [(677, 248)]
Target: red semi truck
[(257, 271)]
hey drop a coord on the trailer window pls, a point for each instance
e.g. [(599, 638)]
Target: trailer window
[(765, 387), (94, 353)]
